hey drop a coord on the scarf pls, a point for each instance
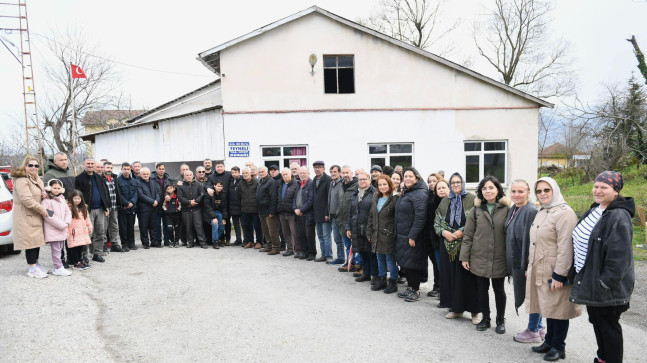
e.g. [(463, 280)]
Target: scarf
[(456, 202), (558, 199)]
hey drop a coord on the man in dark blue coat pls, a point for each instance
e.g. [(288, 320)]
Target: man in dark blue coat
[(303, 208), (266, 195), (322, 220), (127, 207)]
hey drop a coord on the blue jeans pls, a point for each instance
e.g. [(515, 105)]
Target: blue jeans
[(386, 260), (338, 240), (323, 233), (534, 322), (217, 229)]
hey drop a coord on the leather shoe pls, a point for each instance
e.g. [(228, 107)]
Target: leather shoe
[(257, 246), (249, 245), (273, 252), (320, 259), (554, 354), (116, 248), (543, 348), (265, 250), (98, 258), (303, 256), (310, 258), (288, 253), (363, 278), (483, 325)]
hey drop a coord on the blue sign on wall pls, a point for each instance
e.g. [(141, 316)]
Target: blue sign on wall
[(239, 149)]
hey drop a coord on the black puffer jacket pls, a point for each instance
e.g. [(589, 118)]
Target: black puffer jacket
[(607, 277), (266, 196), (344, 204), (358, 219), (410, 218), (321, 197), (381, 226), (233, 202), (284, 205), (429, 231), (224, 178), (248, 195)]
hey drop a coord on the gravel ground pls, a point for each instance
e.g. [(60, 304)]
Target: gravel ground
[(169, 305)]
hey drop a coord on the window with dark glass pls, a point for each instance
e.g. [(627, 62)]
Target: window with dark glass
[(391, 154), (339, 74), (483, 158)]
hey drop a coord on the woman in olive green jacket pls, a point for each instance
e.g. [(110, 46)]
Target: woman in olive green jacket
[(381, 233), (483, 249)]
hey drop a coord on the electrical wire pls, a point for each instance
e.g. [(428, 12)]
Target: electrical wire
[(121, 63)]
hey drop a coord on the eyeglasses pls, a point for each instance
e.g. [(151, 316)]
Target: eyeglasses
[(33, 165), (456, 183), (200, 172), (363, 179), (545, 191)]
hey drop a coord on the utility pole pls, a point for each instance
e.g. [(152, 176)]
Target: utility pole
[(33, 131)]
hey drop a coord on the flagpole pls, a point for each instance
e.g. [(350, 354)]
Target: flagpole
[(73, 120)]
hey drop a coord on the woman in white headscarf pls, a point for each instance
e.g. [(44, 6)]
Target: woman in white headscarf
[(550, 258)]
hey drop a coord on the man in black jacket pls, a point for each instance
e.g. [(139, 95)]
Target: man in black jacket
[(96, 196), (190, 196), (286, 191), (162, 178), (266, 204), (322, 220), (349, 187), (221, 175), (251, 221), (233, 204), (112, 221)]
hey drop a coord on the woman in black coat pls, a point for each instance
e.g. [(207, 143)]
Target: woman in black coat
[(411, 251), (603, 260), (360, 208), (430, 232)]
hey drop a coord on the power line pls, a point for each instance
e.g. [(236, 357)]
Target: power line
[(122, 63)]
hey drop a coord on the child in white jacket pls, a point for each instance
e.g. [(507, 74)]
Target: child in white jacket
[(55, 226)]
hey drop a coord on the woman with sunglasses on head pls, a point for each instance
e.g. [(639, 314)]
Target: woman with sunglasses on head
[(550, 258), (457, 285), (604, 263), (28, 214)]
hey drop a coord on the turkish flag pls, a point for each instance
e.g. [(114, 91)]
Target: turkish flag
[(77, 72)]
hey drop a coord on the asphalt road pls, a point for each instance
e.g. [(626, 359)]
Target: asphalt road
[(170, 305)]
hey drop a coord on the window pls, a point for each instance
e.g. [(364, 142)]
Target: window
[(484, 158), (283, 156), (339, 74), (391, 154)]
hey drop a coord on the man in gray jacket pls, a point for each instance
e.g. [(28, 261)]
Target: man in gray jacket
[(335, 193)]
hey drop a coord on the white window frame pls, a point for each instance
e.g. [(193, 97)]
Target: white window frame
[(481, 155), (388, 154), (283, 157)]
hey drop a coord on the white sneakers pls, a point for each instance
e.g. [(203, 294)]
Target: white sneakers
[(61, 272), (36, 272)]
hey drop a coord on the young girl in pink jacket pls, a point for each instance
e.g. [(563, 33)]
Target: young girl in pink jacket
[(55, 226), (78, 232)]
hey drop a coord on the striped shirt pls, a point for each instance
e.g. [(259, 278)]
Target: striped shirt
[(581, 235)]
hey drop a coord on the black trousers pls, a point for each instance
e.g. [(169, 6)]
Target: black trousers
[(483, 286), (126, 228), (236, 223), (306, 236), (173, 225), (149, 231), (206, 227), (192, 221), (414, 277), (74, 254), (608, 332), (32, 255), (251, 224), (556, 331), (228, 230)]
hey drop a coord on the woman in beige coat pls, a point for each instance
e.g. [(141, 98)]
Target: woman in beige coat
[(550, 259), (28, 213)]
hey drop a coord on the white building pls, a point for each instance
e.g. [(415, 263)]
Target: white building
[(316, 86)]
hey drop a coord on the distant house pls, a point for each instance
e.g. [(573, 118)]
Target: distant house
[(315, 86), (97, 121), (560, 155)]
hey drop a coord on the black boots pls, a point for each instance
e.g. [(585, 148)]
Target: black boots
[(391, 287), (554, 354), (484, 324), (500, 325), (380, 284), (363, 278)]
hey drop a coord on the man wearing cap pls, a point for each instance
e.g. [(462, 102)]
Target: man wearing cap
[(275, 173), (322, 219), (376, 171)]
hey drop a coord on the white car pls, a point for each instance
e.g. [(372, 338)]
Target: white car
[(6, 218)]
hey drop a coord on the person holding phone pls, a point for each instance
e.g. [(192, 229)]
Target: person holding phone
[(550, 257)]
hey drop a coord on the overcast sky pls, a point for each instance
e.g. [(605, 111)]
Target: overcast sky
[(168, 35)]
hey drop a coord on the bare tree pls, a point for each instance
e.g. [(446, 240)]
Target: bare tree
[(417, 22), (93, 92), (642, 66), (514, 39)]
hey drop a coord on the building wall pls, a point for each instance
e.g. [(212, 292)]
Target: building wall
[(206, 98), (274, 65), (438, 136), (188, 138)]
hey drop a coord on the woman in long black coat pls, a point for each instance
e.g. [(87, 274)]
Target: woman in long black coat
[(457, 285), (411, 251), (360, 208)]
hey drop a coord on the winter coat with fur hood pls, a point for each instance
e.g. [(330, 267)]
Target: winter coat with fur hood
[(55, 227), (27, 211)]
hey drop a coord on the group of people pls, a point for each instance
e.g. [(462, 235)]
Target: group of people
[(386, 223)]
